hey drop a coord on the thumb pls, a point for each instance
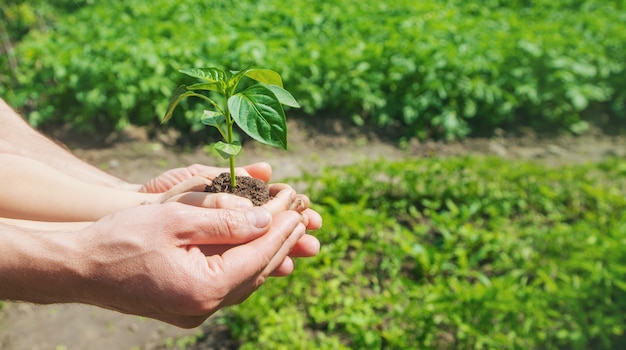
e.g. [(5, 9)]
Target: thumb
[(247, 266), (261, 170), (223, 226)]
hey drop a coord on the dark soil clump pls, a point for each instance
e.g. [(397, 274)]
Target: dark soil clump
[(248, 187)]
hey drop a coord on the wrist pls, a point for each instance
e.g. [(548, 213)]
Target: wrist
[(40, 267)]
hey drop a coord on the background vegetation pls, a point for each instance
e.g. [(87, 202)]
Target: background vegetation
[(465, 253), (430, 68)]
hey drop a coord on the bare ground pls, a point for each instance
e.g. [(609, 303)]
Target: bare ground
[(135, 158)]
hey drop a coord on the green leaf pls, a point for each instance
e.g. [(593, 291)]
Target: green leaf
[(235, 79), (259, 113), (209, 74), (227, 150), (284, 96), (212, 118), (213, 86), (216, 120), (266, 76), (215, 79), (179, 94)]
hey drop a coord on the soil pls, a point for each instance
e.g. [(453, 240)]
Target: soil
[(257, 191), (135, 157)]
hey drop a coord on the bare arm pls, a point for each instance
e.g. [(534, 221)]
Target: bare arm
[(45, 225), (32, 190), (17, 137), (31, 262), (173, 262), (105, 263)]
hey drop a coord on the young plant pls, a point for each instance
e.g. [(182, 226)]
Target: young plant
[(252, 98)]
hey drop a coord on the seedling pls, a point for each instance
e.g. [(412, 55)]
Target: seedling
[(252, 98)]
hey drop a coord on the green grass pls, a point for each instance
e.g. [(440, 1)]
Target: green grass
[(454, 253)]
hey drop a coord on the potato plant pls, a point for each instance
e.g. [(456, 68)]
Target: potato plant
[(433, 68)]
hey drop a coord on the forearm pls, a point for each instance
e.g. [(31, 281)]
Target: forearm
[(32, 190), (45, 225), (17, 137), (39, 268)]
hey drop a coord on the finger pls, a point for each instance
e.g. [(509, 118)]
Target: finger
[(285, 268), (283, 197), (257, 259), (283, 253), (306, 247), (313, 220), (212, 200), (213, 172), (195, 183), (300, 203), (172, 177), (245, 268), (278, 187), (262, 171), (165, 181), (197, 226)]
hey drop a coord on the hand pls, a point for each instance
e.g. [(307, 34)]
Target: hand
[(152, 261), (173, 177), (186, 185), (283, 198), (175, 262)]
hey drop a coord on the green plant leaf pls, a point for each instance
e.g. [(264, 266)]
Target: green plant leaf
[(266, 76), (212, 118), (259, 113), (227, 150), (215, 79), (284, 96), (208, 74), (235, 79), (179, 94), (212, 86), (215, 119)]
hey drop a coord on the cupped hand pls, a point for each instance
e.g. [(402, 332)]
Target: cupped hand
[(149, 260), (284, 198), (186, 185), (174, 177)]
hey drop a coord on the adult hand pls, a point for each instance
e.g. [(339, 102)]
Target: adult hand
[(284, 198), (179, 263), (173, 177), (175, 262)]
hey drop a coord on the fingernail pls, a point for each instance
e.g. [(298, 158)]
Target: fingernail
[(259, 217)]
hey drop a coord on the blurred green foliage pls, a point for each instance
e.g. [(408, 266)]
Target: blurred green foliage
[(464, 253), (432, 68)]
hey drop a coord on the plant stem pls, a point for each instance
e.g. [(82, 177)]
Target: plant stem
[(233, 180), (231, 159)]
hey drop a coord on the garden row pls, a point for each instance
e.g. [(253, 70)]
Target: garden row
[(466, 253), (434, 68)]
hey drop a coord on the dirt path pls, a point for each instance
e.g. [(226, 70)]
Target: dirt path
[(25, 326)]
